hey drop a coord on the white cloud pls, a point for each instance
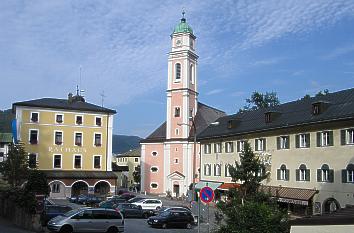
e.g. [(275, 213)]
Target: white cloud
[(214, 92), (340, 51)]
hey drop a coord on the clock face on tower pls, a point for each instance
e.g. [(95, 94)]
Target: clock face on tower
[(178, 42)]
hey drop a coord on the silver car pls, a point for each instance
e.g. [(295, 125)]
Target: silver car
[(88, 220)]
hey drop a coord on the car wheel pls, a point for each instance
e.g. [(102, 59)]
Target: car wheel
[(66, 229), (112, 230), (164, 225), (157, 208), (189, 226)]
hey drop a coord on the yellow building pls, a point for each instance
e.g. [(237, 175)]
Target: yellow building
[(71, 140), (127, 163), (307, 146)]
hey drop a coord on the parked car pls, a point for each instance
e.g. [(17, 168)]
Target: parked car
[(136, 199), (127, 196), (88, 199), (131, 210), (88, 220), (51, 211), (149, 204), (111, 204), (172, 218), (176, 208)]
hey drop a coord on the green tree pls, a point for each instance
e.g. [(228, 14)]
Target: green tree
[(259, 100), (247, 209), (37, 183), (137, 174), (15, 167)]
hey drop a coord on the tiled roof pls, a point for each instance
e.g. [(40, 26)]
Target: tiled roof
[(64, 104), (338, 106), (131, 153), (289, 193), (205, 115), (5, 137)]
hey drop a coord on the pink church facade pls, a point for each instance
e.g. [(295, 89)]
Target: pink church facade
[(167, 154)]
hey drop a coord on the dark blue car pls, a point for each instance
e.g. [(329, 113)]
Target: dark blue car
[(51, 211)]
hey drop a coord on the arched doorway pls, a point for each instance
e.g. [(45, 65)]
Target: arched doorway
[(102, 188), (57, 189), (79, 187), (330, 205)]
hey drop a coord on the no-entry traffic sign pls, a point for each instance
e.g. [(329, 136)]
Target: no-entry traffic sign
[(206, 194)]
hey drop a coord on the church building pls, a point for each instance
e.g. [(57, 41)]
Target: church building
[(167, 154)]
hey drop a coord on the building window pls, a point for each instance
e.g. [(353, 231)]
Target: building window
[(302, 140), (78, 139), (227, 170), (78, 120), (302, 174), (217, 147), (325, 174), (136, 160), (229, 147), (347, 137), (77, 161), (283, 173), (154, 169), (207, 148), (240, 146), (154, 153), (2, 145), (260, 144), (348, 174), (316, 109), (177, 111), (178, 72), (177, 132), (283, 142), (34, 116), (154, 185), (56, 188), (207, 169), (33, 136), (191, 74), (176, 161), (268, 117), (58, 138), (217, 170), (97, 161), (98, 121), (325, 138), (98, 138), (57, 161), (32, 160), (59, 118)]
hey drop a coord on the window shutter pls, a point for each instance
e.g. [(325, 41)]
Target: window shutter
[(344, 176), (278, 143), (331, 138), (318, 139), (297, 141), (297, 174), (319, 176), (307, 178), (278, 174), (308, 140), (238, 146), (256, 144), (288, 142), (264, 144), (342, 137), (331, 176), (287, 174)]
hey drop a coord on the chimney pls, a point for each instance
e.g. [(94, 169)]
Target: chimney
[(70, 97)]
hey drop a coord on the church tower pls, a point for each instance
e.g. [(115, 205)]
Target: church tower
[(182, 82)]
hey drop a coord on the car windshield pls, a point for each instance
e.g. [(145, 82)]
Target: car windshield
[(71, 212)]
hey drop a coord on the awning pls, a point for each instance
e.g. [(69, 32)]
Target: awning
[(290, 195), (227, 186), (213, 185)]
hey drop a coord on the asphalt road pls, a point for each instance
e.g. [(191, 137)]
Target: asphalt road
[(7, 227)]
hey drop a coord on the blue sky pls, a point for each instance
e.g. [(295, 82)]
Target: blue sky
[(290, 47)]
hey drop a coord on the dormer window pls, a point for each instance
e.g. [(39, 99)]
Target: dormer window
[(268, 118), (316, 109), (232, 123)]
